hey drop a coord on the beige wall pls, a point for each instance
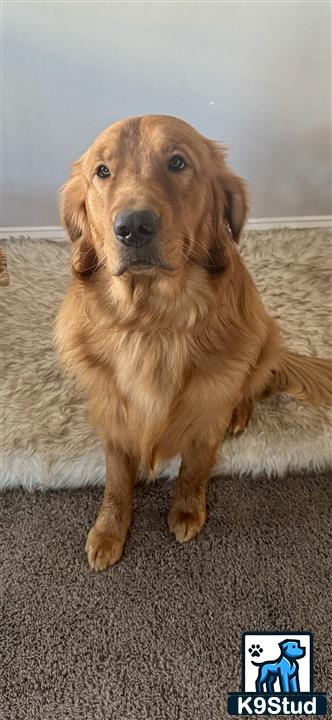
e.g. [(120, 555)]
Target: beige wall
[(254, 75)]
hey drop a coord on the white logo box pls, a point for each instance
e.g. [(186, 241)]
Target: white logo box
[(269, 642)]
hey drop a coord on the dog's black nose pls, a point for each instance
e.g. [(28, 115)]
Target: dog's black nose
[(136, 227)]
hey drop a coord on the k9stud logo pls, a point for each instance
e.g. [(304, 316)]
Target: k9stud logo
[(277, 676)]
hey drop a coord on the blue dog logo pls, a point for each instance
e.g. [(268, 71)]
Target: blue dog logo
[(285, 668), (282, 686)]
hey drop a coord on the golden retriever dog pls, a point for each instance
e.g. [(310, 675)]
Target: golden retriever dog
[(162, 323)]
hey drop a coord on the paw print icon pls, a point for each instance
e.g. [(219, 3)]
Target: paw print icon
[(255, 650)]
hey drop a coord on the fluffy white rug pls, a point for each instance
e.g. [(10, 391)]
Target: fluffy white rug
[(46, 439)]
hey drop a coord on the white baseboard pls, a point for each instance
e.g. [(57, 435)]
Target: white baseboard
[(56, 232), (296, 223), (48, 232)]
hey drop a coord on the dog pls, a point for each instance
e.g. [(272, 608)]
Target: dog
[(162, 324), (285, 668)]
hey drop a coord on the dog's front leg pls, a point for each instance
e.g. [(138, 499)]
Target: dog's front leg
[(294, 684), (284, 682), (106, 539), (188, 512)]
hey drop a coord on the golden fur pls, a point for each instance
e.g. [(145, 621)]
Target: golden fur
[(174, 350)]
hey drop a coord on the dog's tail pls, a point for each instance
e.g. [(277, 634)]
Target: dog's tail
[(305, 378)]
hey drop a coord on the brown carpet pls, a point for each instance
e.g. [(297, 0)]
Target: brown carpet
[(158, 636)]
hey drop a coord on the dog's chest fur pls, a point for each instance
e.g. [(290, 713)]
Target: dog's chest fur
[(149, 371), (147, 375)]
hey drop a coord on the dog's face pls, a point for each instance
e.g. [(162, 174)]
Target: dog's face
[(150, 195), (292, 649)]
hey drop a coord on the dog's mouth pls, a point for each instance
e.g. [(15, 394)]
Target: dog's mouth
[(140, 263)]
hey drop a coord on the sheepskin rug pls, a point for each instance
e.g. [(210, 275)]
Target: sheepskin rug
[(47, 441)]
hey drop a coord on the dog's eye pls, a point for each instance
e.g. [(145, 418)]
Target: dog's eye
[(176, 163), (103, 171)]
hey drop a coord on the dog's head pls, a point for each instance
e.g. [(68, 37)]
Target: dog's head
[(292, 649), (150, 195)]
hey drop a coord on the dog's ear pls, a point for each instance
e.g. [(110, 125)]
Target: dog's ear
[(230, 194), (75, 221), (283, 644), (235, 202)]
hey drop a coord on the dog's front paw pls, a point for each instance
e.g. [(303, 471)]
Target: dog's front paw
[(184, 523), (103, 548)]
